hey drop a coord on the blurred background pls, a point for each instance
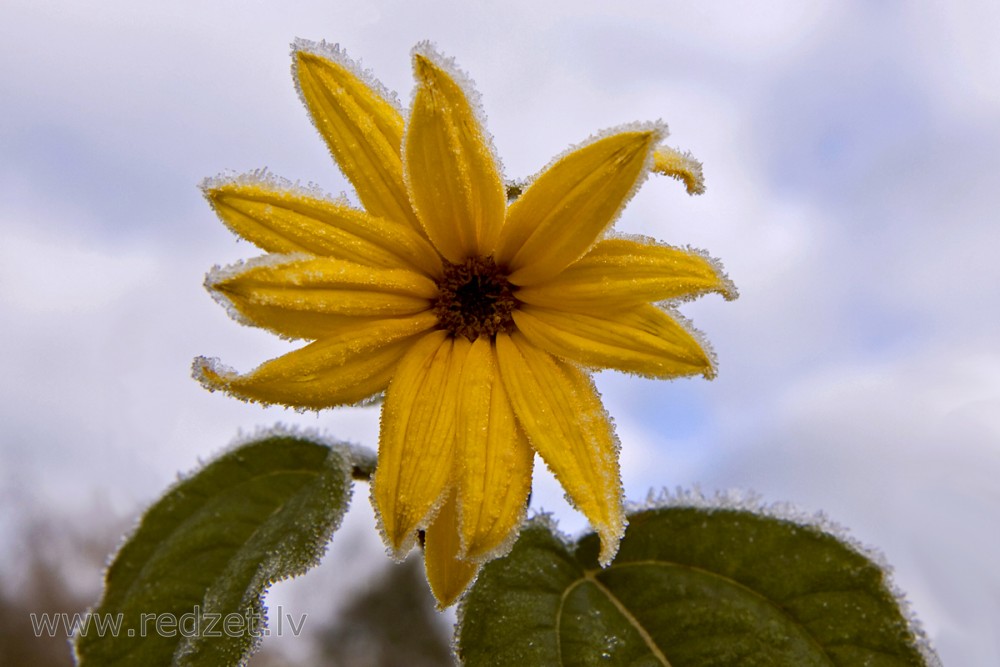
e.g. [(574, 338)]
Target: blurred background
[(852, 155)]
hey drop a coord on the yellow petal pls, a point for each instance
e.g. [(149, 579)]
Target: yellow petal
[(643, 340), (344, 369), (620, 273), (416, 443), (362, 128), (682, 166), (561, 413), (493, 459), (454, 182), (278, 218), (567, 207), (448, 573), (317, 293)]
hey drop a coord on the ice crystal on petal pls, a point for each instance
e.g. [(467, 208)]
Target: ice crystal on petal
[(267, 180), (429, 50), (338, 54)]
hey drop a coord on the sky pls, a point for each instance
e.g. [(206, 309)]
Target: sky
[(851, 153)]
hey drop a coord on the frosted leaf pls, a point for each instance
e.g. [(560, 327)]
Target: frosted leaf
[(705, 580), (753, 502), (355, 454), (263, 511)]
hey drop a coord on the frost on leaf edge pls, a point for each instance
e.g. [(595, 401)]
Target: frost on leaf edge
[(351, 456), (752, 502)]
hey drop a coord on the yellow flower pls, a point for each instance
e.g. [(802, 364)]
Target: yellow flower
[(478, 319)]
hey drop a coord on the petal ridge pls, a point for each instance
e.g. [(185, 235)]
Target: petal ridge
[(360, 126), (644, 340), (283, 217), (344, 369), (621, 272), (560, 410), (417, 438), (573, 201), (493, 459), (451, 170), (303, 296), (448, 573)]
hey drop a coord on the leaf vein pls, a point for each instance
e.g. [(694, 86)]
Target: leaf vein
[(715, 575), (633, 621)]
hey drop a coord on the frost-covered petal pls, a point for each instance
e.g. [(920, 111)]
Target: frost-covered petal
[(362, 128), (643, 340), (493, 459), (560, 411), (447, 572), (566, 208), (317, 292), (620, 273), (417, 439), (278, 217), (682, 166), (346, 368), (452, 175)]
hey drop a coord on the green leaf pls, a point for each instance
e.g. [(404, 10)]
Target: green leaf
[(690, 587), (187, 586)]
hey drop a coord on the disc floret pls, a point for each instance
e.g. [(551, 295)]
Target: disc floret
[(475, 299)]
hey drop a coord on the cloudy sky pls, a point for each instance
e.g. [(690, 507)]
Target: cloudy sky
[(852, 154)]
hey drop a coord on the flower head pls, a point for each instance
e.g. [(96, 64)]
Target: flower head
[(479, 320)]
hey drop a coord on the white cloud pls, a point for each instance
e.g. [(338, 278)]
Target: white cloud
[(49, 274)]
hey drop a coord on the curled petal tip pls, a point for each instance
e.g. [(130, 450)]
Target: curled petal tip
[(210, 373), (681, 166)]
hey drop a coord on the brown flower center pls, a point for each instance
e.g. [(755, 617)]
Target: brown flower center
[(475, 299)]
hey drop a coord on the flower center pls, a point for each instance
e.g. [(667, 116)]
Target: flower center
[(475, 299)]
